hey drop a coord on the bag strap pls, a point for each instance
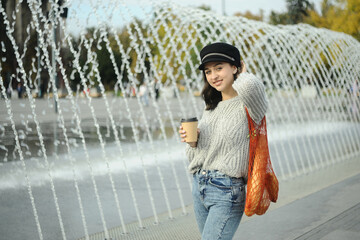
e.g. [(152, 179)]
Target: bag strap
[(251, 124), (252, 142), (249, 118)]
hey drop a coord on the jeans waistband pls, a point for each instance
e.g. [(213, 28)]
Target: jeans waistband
[(213, 173)]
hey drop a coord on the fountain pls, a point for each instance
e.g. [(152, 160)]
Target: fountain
[(79, 164)]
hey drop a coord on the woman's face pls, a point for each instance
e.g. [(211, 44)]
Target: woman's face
[(220, 75)]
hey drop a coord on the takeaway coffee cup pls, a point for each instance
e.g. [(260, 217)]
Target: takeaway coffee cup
[(190, 126)]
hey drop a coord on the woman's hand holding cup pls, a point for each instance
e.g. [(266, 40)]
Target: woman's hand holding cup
[(189, 132), (183, 137)]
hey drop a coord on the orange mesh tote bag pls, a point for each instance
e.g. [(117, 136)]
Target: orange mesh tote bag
[(262, 185)]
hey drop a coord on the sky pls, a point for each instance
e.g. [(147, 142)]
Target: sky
[(90, 12), (233, 6)]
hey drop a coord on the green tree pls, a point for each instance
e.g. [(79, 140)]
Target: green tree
[(297, 10), (278, 18), (8, 62), (205, 7)]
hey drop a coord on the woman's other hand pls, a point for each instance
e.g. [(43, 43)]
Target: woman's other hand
[(243, 69)]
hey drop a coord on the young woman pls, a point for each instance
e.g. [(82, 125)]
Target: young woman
[(219, 159)]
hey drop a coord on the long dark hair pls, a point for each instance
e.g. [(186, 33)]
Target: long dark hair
[(211, 96)]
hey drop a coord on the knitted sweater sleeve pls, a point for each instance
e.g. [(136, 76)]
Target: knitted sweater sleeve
[(252, 92), (190, 152)]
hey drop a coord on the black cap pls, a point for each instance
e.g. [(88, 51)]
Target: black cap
[(219, 52)]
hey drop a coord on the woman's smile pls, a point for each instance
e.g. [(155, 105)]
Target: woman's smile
[(217, 83)]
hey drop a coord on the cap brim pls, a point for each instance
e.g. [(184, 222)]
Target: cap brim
[(214, 59)]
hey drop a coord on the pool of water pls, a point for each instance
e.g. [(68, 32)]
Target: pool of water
[(55, 142)]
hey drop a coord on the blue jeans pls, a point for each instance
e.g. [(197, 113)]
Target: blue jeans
[(219, 202)]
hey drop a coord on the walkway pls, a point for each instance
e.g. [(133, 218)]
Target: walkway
[(323, 205)]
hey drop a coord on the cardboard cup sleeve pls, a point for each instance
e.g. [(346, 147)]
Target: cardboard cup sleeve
[(190, 126)]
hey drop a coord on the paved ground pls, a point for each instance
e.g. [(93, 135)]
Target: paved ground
[(324, 205), (45, 108), (326, 214)]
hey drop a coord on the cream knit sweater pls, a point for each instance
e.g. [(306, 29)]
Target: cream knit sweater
[(223, 144)]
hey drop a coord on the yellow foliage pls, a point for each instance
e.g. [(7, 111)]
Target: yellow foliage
[(339, 15), (250, 15)]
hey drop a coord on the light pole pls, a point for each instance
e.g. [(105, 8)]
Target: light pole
[(223, 7), (40, 93)]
